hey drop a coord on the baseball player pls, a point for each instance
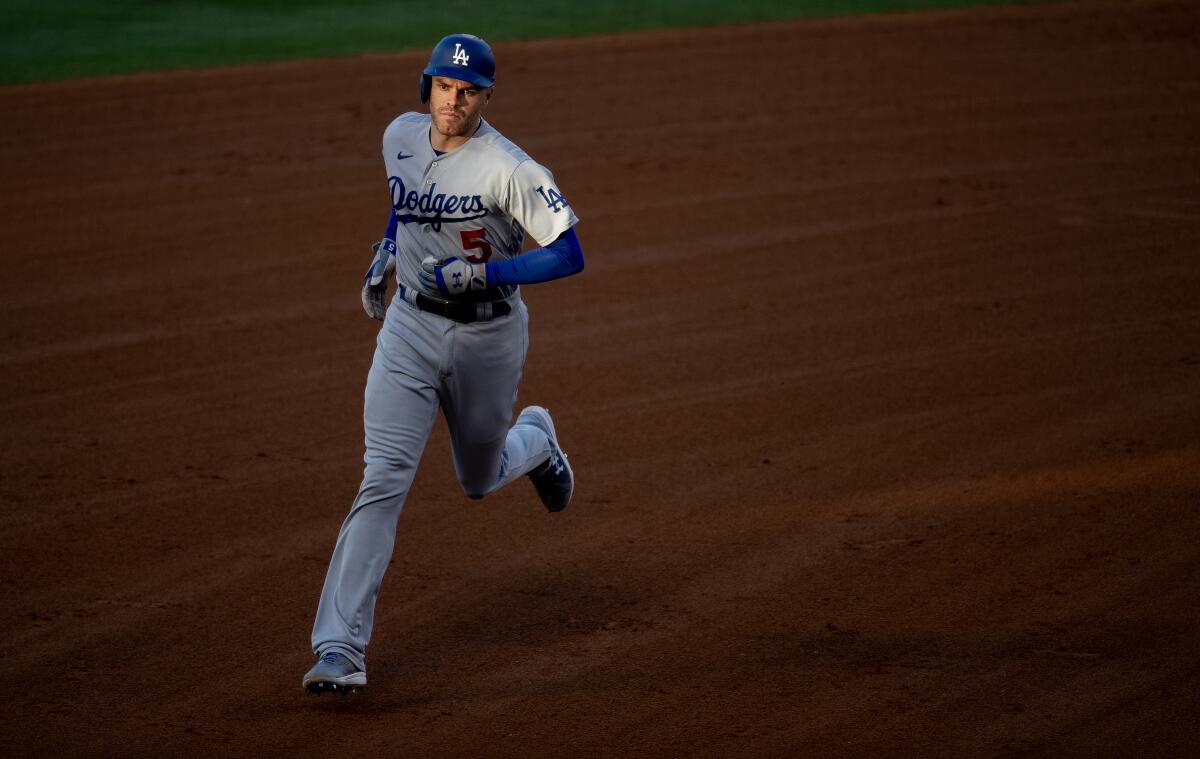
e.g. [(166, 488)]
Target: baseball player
[(454, 336)]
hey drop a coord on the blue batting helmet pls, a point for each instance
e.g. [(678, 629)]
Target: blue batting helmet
[(460, 56)]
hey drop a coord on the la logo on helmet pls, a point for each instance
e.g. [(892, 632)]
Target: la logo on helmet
[(460, 55)]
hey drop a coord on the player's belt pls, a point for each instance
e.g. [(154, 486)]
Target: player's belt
[(456, 310)]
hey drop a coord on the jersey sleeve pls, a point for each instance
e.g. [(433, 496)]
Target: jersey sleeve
[(537, 204)]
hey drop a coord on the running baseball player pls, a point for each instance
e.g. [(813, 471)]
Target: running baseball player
[(454, 336)]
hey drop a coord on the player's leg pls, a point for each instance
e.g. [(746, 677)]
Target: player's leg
[(477, 400), (400, 404), (484, 466)]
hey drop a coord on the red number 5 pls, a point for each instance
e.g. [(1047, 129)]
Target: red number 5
[(475, 239)]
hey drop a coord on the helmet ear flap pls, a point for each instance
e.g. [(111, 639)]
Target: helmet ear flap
[(426, 87)]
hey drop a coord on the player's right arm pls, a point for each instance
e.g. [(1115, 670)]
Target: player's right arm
[(375, 281)]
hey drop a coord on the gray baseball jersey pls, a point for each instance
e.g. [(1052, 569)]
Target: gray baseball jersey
[(475, 202)]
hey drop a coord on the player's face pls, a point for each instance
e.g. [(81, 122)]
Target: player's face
[(456, 107)]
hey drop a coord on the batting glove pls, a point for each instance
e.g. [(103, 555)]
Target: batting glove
[(374, 291), (452, 276)]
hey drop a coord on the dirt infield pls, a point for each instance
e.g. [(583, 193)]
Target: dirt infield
[(882, 385)]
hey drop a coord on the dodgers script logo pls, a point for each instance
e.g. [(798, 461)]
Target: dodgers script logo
[(433, 207), (460, 55)]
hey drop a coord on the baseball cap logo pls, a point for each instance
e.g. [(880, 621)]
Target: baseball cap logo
[(460, 55)]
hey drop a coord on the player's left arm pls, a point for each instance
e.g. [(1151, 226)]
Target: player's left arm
[(559, 259), (535, 203)]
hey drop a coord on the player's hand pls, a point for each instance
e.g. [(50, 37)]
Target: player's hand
[(375, 281), (374, 301), (452, 276)]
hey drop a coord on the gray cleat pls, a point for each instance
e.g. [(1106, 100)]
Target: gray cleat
[(334, 673), (553, 480)]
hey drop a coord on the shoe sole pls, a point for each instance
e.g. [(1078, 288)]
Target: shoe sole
[(343, 685), (317, 688), (324, 686), (552, 433)]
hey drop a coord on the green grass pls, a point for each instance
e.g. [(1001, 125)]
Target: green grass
[(54, 39)]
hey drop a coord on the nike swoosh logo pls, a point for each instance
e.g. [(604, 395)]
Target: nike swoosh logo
[(400, 156)]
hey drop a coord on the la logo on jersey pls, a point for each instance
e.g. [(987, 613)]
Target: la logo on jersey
[(460, 55), (554, 199)]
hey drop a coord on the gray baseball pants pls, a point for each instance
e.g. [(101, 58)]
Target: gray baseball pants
[(424, 362)]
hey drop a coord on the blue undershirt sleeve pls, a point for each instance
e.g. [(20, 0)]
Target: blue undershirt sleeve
[(561, 258), (390, 232), (388, 243)]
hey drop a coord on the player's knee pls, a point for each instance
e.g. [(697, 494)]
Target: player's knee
[(474, 491)]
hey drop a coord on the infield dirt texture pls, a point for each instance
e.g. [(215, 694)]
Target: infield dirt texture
[(882, 386)]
